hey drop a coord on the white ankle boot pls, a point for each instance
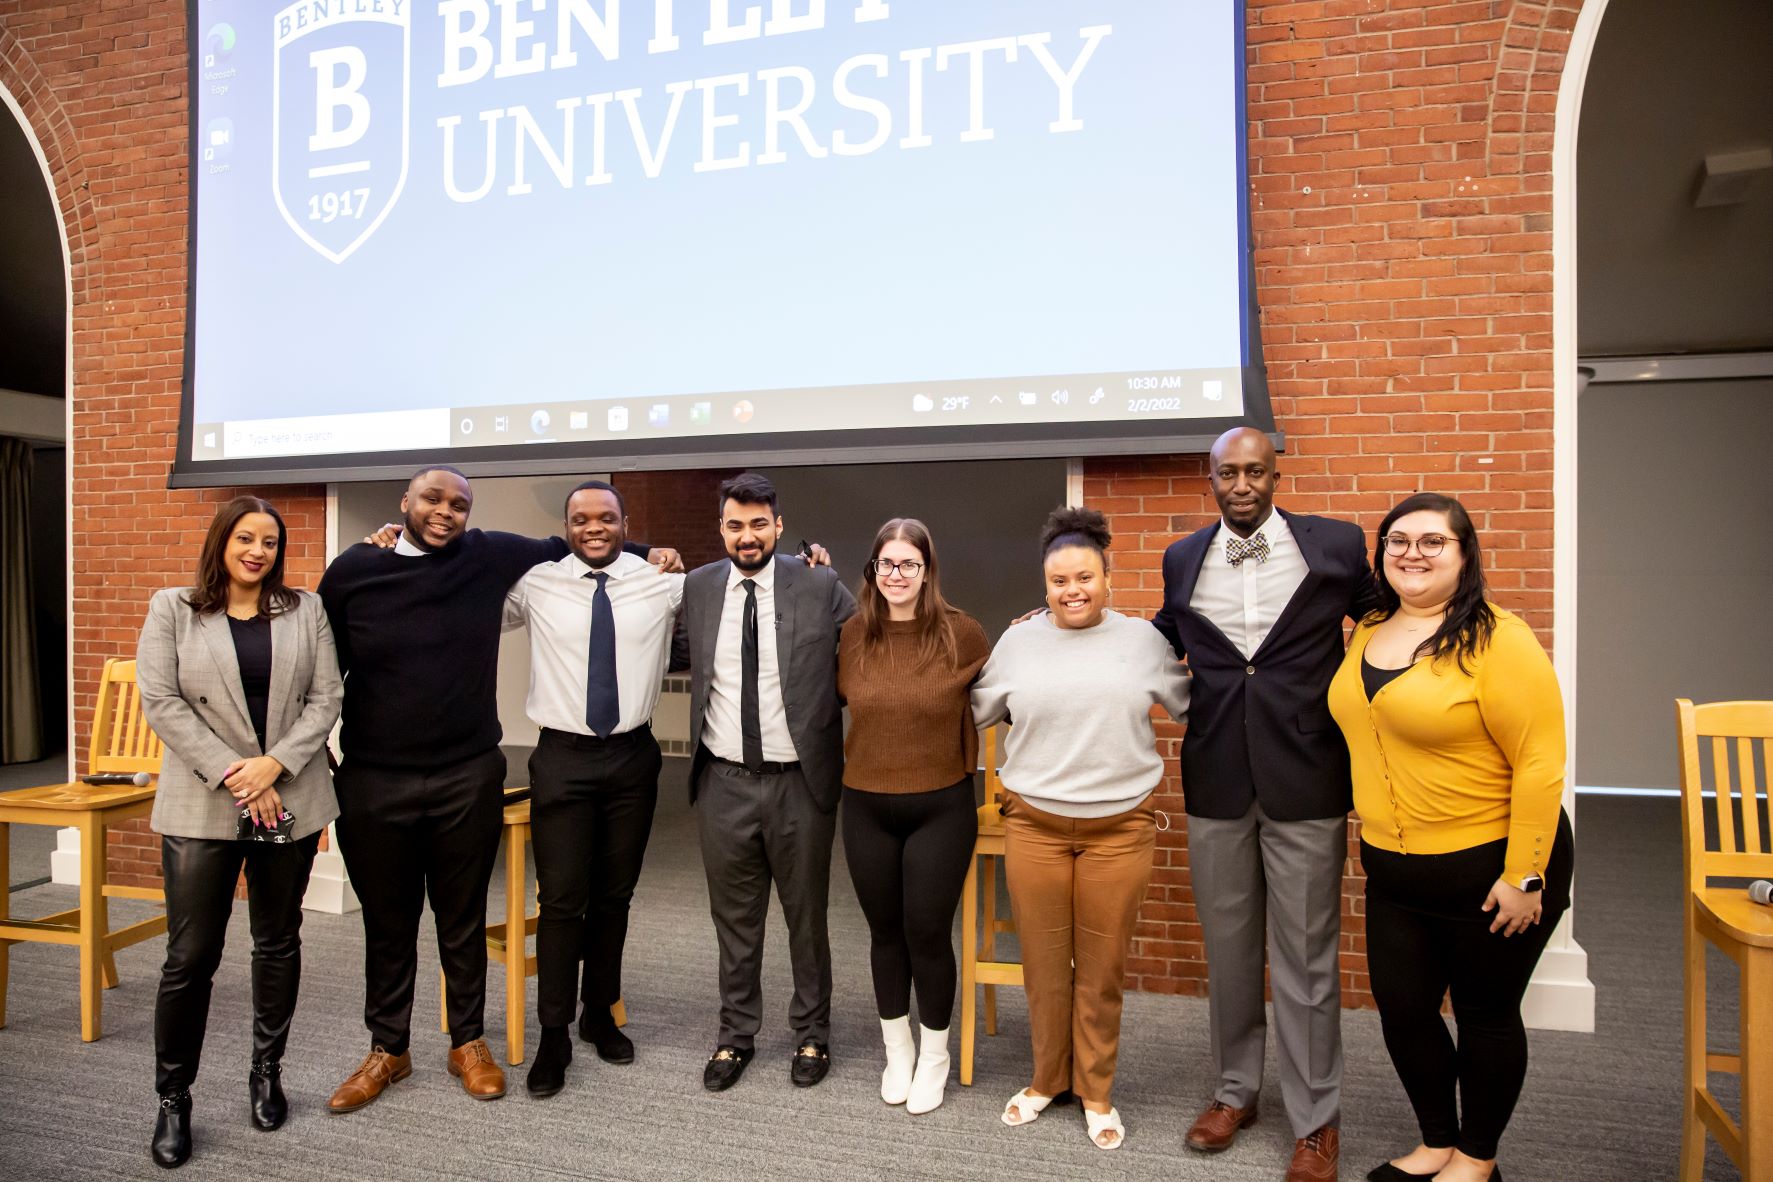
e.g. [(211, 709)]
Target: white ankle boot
[(901, 1053), (930, 1082)]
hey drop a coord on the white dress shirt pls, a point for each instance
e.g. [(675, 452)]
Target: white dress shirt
[(721, 731), (1245, 600), (555, 600), (407, 549)]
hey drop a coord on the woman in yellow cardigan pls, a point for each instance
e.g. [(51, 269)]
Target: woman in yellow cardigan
[(1455, 731)]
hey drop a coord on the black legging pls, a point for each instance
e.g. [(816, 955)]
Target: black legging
[(199, 877), (1426, 935), (907, 854)]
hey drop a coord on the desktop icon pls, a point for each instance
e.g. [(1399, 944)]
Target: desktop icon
[(218, 44), (1098, 396), (579, 420), (1061, 397), (467, 426), (922, 402), (743, 410), (659, 415), (701, 414), (209, 440), (501, 423), (1028, 397), (218, 139), (538, 423), (618, 418), (1212, 389)]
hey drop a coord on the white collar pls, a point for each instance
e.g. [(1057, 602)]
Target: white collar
[(765, 578), (402, 546), (625, 565), (1269, 531)]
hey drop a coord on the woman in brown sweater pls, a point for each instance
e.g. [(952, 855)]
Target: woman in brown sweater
[(904, 665)]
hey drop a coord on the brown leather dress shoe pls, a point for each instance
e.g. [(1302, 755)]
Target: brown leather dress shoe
[(1216, 1128), (473, 1064), (370, 1080), (1314, 1157)]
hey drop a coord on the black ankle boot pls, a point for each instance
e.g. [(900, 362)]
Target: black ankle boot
[(270, 1108), (547, 1074), (172, 1130)]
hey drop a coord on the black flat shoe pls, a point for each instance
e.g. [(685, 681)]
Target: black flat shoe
[(547, 1075), (264, 1087), (1386, 1172), (612, 1045), (172, 1131), (810, 1063), (725, 1067)]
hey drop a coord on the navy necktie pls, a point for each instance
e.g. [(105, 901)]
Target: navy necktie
[(750, 725), (602, 707)]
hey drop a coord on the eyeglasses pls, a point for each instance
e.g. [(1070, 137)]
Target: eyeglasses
[(1429, 546), (907, 569)]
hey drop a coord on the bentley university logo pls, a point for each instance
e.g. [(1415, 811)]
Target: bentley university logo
[(338, 148)]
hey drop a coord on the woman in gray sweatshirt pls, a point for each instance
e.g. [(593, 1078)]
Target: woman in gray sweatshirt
[(1079, 768)]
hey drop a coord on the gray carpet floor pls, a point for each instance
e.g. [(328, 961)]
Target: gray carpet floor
[(1600, 1106)]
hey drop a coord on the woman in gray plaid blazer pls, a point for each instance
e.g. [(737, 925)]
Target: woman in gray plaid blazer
[(239, 678)]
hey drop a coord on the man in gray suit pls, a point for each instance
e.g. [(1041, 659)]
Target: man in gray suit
[(766, 730)]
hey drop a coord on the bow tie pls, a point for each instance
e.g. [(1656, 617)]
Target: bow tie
[(1238, 549)]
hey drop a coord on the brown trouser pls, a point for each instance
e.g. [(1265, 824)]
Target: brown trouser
[(1075, 887)]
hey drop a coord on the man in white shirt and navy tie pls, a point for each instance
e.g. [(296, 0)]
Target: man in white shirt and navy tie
[(1256, 603), (600, 626)]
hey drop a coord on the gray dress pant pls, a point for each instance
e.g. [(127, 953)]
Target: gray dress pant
[(1252, 877), (758, 829)]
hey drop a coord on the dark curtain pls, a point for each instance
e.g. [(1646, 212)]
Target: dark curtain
[(21, 709)]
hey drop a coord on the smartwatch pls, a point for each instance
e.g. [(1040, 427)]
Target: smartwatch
[(1532, 883)]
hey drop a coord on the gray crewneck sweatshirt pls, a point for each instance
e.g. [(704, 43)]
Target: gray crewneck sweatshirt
[(1080, 699)]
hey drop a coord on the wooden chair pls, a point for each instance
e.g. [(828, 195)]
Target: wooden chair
[(980, 924), (1740, 928), (513, 953), (121, 742)]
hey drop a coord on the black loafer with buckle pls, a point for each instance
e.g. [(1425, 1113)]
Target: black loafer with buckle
[(810, 1063), (725, 1067)]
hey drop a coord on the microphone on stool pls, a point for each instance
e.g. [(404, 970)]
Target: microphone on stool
[(106, 779), (1761, 891)]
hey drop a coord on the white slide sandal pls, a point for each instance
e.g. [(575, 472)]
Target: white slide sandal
[(1106, 1131), (1024, 1107)]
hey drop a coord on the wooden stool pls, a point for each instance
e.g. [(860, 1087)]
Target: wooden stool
[(979, 921), (513, 953), (1724, 916), (121, 742)]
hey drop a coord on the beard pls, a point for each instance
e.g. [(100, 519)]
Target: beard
[(754, 564)]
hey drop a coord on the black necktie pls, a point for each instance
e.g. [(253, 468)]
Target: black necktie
[(750, 727), (602, 707)]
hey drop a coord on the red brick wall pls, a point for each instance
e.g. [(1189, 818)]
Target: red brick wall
[(1401, 216), (675, 509)]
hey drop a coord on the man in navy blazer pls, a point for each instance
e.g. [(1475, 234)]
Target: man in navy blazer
[(1256, 602)]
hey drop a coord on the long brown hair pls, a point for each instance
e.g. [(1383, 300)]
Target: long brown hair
[(211, 591), (935, 618)]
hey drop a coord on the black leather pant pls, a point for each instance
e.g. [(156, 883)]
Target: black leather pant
[(200, 876)]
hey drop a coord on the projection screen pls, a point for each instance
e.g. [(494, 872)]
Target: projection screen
[(550, 235)]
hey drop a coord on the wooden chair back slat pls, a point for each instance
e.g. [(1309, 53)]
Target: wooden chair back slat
[(1744, 846), (993, 784), (122, 740)]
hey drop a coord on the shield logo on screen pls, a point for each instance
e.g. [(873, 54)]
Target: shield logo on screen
[(340, 115)]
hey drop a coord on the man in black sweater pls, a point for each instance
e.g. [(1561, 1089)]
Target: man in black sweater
[(421, 785)]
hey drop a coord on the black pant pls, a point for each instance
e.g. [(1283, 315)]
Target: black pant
[(407, 835), (908, 856), (199, 878), (1426, 936), (591, 808)]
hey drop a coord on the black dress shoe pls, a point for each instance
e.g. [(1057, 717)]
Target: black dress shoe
[(612, 1045), (270, 1107), (172, 1131), (547, 1074), (810, 1063), (725, 1067)]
